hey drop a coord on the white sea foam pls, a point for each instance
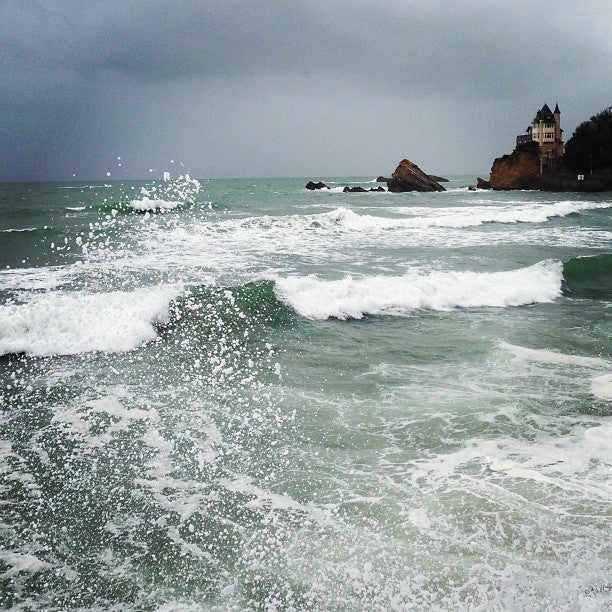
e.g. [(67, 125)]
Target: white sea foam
[(552, 357), (153, 205), (84, 186), (261, 497), (32, 279), (264, 244), (75, 208), (21, 562), (601, 386), (62, 323), (577, 462), (399, 295), (460, 217), (21, 229)]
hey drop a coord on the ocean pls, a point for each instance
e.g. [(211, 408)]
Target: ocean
[(243, 395)]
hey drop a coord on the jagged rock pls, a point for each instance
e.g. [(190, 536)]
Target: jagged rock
[(382, 179), (409, 177), (482, 184), (312, 186), (361, 189), (438, 179), (519, 170)]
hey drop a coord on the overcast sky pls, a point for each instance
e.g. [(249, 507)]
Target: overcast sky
[(288, 88)]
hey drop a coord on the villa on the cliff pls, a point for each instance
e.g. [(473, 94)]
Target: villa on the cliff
[(546, 131)]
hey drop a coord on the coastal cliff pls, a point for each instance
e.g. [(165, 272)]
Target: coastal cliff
[(519, 170), (585, 166)]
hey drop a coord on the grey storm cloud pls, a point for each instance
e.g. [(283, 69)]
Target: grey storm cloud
[(83, 78)]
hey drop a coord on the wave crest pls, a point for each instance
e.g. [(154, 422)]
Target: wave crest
[(458, 218), (61, 323), (351, 298)]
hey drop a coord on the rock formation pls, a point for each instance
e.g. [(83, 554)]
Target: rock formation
[(320, 185), (519, 170), (312, 186), (361, 189), (409, 177)]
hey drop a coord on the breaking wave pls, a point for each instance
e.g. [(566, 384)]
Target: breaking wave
[(65, 323), (152, 205), (351, 298), (459, 217)]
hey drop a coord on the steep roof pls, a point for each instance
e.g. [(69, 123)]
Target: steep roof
[(557, 109), (545, 114)]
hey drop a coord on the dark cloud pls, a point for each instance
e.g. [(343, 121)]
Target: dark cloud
[(273, 87)]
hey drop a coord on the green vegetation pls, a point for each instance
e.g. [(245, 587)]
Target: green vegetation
[(590, 147)]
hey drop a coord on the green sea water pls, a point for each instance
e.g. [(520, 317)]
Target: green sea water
[(243, 395)]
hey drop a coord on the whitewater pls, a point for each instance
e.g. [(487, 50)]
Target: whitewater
[(243, 395)]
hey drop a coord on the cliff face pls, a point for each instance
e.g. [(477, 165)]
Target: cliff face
[(409, 177), (519, 170)]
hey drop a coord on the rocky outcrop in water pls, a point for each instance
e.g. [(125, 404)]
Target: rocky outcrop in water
[(315, 186), (312, 186), (409, 177), (361, 189)]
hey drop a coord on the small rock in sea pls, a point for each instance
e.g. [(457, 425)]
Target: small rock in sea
[(361, 189), (312, 186)]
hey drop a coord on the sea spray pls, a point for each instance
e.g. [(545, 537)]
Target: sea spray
[(247, 456), (150, 452)]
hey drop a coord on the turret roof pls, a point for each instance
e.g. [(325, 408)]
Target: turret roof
[(544, 114)]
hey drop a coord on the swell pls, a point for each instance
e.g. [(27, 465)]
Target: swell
[(74, 322), (63, 323), (423, 218), (231, 309), (588, 277)]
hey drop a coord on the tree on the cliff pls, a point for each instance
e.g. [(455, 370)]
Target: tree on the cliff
[(590, 147)]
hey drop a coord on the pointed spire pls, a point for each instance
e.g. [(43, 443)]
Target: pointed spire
[(557, 109), (544, 114)]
